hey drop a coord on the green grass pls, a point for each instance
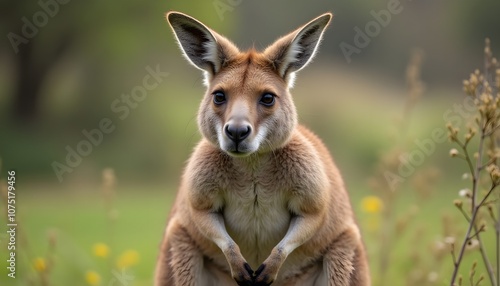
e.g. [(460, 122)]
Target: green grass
[(79, 220)]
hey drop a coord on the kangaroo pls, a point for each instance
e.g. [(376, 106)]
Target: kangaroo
[(261, 201)]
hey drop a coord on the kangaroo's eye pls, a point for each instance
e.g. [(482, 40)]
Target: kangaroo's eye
[(219, 97), (267, 99)]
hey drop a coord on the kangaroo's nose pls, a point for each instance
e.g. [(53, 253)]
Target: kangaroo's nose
[(236, 132)]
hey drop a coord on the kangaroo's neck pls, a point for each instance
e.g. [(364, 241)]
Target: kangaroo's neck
[(252, 162)]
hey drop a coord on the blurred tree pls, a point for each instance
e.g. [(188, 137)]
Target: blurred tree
[(104, 39), (477, 20), (23, 21)]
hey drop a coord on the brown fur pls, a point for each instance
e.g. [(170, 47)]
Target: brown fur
[(273, 207)]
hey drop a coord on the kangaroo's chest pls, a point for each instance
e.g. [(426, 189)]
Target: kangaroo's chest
[(257, 218)]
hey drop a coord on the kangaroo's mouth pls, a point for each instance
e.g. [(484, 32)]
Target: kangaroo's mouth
[(238, 154), (238, 150)]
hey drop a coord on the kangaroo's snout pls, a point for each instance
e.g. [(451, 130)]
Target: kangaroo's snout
[(237, 132)]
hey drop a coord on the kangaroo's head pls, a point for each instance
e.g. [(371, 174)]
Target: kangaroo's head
[(247, 107)]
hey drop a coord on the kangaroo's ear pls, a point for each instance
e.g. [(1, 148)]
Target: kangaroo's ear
[(204, 48), (294, 51)]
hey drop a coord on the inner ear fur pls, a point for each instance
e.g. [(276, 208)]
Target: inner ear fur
[(209, 51), (203, 47), (294, 51)]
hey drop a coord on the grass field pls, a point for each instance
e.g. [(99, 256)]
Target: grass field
[(78, 220)]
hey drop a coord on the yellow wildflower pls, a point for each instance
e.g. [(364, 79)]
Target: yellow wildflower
[(127, 259), (372, 204), (39, 264), (101, 250), (93, 278)]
